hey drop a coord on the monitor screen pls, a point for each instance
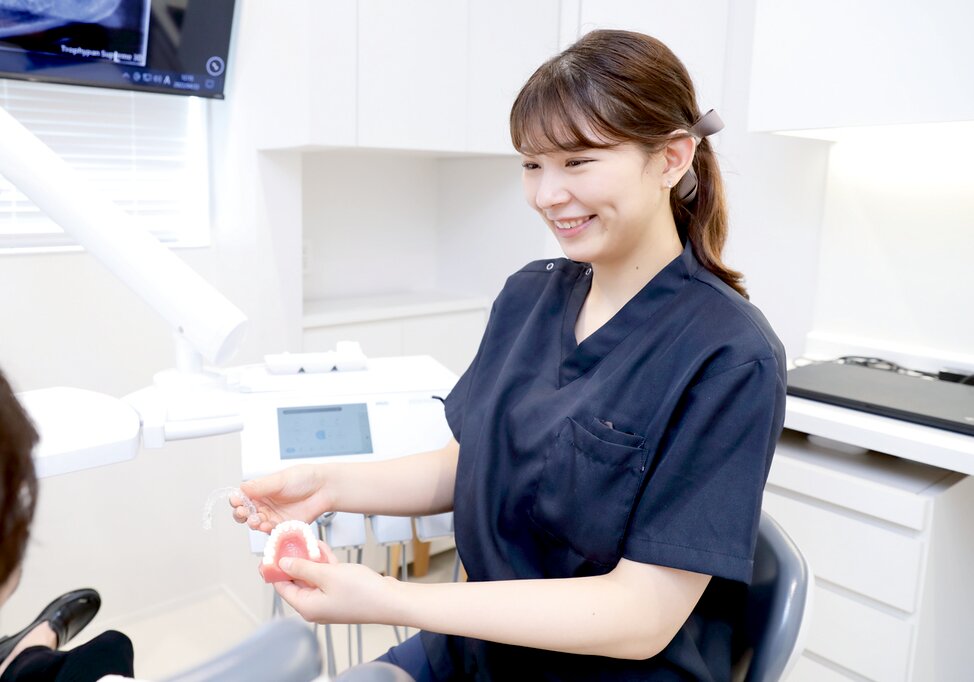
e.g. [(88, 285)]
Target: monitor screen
[(168, 46), (324, 430)]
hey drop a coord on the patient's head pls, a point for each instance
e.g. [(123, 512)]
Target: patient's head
[(18, 486)]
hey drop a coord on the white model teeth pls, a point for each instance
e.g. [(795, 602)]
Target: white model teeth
[(570, 224), (270, 549)]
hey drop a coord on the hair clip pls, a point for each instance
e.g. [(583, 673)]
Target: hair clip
[(708, 124)]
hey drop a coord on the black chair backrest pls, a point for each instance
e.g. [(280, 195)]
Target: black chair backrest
[(775, 603)]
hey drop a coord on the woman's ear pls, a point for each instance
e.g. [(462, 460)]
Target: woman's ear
[(678, 155)]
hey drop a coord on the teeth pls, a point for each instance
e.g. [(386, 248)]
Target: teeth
[(570, 224), (270, 549)]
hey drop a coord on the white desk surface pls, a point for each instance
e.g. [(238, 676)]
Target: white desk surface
[(937, 447)]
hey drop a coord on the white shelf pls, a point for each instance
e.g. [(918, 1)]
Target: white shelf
[(354, 310), (937, 447)]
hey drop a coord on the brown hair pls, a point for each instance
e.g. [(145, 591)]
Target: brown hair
[(18, 482), (612, 87)]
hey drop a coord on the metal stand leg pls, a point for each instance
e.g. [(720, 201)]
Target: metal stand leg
[(358, 627), (330, 666), (405, 578)]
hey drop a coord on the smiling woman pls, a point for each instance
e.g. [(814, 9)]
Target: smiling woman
[(613, 434), (617, 87)]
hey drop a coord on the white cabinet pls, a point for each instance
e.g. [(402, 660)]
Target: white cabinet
[(412, 74), (695, 30), (509, 39), (880, 534), (427, 75), (832, 63)]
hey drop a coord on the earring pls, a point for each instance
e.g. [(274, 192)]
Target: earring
[(669, 184)]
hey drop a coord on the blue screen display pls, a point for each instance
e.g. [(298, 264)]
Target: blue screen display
[(168, 46), (324, 431)]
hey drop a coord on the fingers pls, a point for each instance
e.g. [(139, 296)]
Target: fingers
[(242, 513), (265, 486), (303, 569)]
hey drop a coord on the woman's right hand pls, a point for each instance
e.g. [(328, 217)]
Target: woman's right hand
[(294, 493)]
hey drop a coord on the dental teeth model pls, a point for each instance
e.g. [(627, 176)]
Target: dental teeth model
[(288, 539)]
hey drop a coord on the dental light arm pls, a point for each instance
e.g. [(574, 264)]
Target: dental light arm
[(194, 308), (205, 323)]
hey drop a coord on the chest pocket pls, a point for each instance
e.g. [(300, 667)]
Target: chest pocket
[(587, 488)]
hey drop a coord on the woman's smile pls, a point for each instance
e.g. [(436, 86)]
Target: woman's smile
[(569, 227)]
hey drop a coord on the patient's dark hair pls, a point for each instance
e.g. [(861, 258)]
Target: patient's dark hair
[(612, 87), (18, 488)]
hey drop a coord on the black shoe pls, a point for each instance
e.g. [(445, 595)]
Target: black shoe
[(67, 616)]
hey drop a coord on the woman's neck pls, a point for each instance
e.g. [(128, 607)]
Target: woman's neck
[(614, 284)]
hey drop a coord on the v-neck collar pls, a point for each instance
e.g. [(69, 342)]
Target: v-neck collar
[(578, 358)]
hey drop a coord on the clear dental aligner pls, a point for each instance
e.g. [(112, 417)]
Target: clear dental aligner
[(224, 493), (284, 528)]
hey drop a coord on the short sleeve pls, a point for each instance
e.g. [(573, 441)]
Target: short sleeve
[(700, 507)]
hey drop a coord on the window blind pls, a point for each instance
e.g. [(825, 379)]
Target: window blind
[(146, 152)]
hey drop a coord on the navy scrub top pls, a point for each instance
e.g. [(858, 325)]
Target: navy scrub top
[(650, 440)]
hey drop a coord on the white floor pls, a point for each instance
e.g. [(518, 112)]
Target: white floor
[(181, 636)]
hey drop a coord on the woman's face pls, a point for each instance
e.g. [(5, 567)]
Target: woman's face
[(601, 204)]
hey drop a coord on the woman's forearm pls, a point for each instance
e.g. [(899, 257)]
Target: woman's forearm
[(629, 613), (406, 486)]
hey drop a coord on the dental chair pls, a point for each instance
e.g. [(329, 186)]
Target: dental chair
[(779, 607), (283, 650)]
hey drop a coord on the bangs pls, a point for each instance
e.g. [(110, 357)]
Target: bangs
[(556, 112)]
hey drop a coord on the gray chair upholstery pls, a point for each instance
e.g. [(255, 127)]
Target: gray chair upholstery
[(283, 650), (778, 607)]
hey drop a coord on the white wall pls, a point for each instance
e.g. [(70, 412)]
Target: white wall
[(369, 223), (897, 240)]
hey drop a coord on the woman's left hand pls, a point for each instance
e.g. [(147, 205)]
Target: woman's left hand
[(337, 592)]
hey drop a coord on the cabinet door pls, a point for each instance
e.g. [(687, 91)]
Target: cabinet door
[(509, 39), (832, 63), (695, 30), (412, 68)]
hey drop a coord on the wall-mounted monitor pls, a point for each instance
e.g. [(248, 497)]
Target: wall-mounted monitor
[(168, 46)]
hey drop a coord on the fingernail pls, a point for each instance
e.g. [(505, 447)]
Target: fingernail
[(286, 563)]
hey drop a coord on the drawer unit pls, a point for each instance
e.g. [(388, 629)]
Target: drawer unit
[(862, 639), (836, 545), (886, 538)]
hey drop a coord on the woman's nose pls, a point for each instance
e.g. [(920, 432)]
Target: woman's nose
[(551, 191)]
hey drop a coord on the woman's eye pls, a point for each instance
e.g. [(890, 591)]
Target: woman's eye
[(573, 163), (529, 165)]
